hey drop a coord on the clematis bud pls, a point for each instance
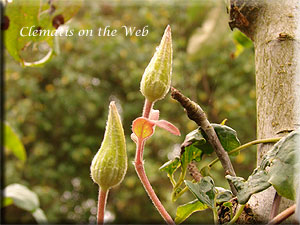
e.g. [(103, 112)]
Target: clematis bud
[(156, 79), (110, 163)]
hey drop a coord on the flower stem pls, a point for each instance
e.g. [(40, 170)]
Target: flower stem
[(216, 218), (147, 108), (102, 197), (237, 215), (139, 167)]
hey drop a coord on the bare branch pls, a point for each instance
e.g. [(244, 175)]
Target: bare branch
[(196, 114), (194, 172), (283, 215)]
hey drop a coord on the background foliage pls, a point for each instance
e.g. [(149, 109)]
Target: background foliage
[(60, 110)]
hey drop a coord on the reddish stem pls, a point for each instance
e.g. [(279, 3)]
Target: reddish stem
[(102, 197), (147, 108), (139, 167)]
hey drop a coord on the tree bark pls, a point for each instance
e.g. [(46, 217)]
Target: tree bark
[(271, 25)]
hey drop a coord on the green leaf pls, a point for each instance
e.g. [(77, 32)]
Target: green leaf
[(171, 166), (35, 15), (279, 167), (184, 211), (195, 137), (190, 153), (241, 42), (22, 197), (223, 195), (284, 164), (198, 138), (227, 136), (13, 143), (6, 201), (257, 181), (204, 191), (40, 216)]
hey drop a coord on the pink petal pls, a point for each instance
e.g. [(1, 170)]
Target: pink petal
[(154, 114), (168, 127), (134, 138)]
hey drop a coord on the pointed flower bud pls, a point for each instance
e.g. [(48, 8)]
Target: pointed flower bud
[(156, 79), (110, 163)]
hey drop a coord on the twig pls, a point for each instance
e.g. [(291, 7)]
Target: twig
[(194, 172), (283, 215), (275, 206), (196, 114)]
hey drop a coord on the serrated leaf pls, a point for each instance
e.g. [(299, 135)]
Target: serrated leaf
[(257, 181), (284, 164), (22, 197), (223, 195), (13, 143), (279, 167), (143, 128), (184, 211), (40, 216), (227, 136), (170, 166), (190, 153), (204, 191), (194, 137)]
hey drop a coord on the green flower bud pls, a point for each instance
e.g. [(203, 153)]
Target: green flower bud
[(110, 163), (156, 79)]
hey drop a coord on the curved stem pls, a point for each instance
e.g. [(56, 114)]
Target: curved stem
[(139, 167), (178, 183), (244, 146), (237, 215), (216, 218), (102, 197), (147, 108), (171, 177)]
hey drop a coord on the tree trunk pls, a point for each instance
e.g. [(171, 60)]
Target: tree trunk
[(271, 25)]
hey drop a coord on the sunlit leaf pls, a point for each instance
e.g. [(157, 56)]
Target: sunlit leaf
[(13, 143), (22, 197), (6, 201), (184, 211), (190, 153), (30, 16), (40, 216), (170, 166)]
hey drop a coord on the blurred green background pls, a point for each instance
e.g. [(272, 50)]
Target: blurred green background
[(60, 110)]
